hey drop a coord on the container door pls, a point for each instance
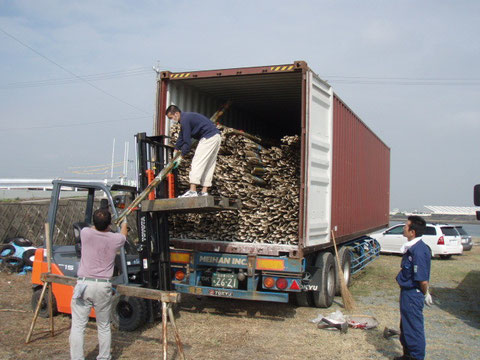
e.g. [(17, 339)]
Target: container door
[(319, 125)]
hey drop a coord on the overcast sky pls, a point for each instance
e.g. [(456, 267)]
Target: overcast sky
[(409, 69)]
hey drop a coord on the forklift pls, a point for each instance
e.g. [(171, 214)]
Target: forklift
[(144, 263)]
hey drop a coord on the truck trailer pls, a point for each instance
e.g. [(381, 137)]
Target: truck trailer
[(344, 184)]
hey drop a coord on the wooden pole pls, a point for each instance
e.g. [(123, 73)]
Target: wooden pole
[(48, 241), (348, 301), (175, 330), (37, 310), (164, 329)]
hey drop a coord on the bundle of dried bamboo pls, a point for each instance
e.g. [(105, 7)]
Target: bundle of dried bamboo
[(265, 179)]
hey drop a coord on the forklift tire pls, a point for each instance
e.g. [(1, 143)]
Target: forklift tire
[(128, 313), (28, 256), (345, 257), (44, 307), (324, 297), (11, 250)]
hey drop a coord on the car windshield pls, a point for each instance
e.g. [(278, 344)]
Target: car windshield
[(461, 230), (449, 231)]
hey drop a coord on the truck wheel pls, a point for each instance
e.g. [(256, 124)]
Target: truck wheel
[(128, 313), (13, 264), (326, 264), (28, 256), (22, 242), (43, 312), (7, 250), (345, 257)]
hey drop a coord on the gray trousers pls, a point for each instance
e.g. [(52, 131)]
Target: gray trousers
[(98, 295)]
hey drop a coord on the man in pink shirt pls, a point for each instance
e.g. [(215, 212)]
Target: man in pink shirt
[(99, 248)]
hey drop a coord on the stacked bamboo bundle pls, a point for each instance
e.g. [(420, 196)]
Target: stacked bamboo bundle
[(265, 179)]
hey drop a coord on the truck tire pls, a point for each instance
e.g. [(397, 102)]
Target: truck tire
[(22, 242), (128, 313), (28, 256), (326, 264), (7, 250), (44, 308), (345, 257), (13, 264)]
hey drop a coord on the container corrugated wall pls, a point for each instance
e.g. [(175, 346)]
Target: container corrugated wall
[(360, 176)]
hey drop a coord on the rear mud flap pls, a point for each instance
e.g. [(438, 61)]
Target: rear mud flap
[(312, 279)]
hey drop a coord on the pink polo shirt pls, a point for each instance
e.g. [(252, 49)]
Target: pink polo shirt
[(98, 253)]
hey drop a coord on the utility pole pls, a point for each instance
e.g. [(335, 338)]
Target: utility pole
[(113, 158)]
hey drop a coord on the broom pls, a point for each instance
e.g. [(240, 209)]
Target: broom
[(347, 298)]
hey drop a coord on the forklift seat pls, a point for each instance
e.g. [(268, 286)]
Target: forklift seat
[(77, 227)]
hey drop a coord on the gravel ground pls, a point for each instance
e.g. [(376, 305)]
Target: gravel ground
[(224, 329)]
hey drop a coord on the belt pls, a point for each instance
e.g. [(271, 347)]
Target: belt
[(94, 279), (410, 288)]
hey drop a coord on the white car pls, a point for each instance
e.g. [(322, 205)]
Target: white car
[(443, 240)]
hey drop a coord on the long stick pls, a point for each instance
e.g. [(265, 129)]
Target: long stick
[(175, 330), (348, 301), (48, 241), (164, 329), (37, 310), (162, 175)]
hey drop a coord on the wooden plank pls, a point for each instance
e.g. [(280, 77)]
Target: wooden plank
[(128, 290), (151, 294), (58, 279), (191, 204)]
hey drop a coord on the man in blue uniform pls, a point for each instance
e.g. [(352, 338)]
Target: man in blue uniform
[(413, 281), (197, 126)]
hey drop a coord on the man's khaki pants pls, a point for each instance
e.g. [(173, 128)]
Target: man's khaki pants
[(98, 295), (204, 161)]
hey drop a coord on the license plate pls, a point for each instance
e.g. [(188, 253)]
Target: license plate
[(453, 242), (223, 280)]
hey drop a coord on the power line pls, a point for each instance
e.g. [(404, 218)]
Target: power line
[(406, 83), (64, 81), (70, 125), (71, 72), (370, 80), (399, 78)]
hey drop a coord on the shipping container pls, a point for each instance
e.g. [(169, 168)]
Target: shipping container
[(345, 167), (345, 170)]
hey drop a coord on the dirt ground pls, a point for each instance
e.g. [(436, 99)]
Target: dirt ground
[(214, 328)]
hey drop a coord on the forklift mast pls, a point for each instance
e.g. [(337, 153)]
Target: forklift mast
[(153, 241)]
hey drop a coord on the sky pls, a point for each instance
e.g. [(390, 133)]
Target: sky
[(75, 75)]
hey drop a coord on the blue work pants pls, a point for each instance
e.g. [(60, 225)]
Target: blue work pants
[(412, 330)]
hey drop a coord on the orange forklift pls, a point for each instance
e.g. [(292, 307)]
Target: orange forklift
[(146, 264)]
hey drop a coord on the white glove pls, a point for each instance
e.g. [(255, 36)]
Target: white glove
[(428, 299)]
